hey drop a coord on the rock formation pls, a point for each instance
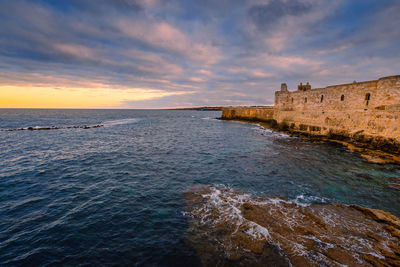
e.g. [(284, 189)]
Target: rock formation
[(230, 228), (54, 128)]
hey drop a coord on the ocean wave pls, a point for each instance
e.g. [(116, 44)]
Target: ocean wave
[(266, 131), (119, 122), (210, 119)]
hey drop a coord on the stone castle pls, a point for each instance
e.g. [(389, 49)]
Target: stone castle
[(363, 112)]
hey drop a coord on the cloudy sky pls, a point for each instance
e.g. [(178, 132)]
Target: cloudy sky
[(181, 53)]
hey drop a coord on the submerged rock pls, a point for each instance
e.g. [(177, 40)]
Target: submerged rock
[(54, 128), (228, 227), (395, 186)]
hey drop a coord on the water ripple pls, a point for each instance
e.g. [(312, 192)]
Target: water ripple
[(113, 195)]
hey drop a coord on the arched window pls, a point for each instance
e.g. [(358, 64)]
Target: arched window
[(322, 98), (305, 100), (342, 98)]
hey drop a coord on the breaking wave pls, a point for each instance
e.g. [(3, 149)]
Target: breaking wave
[(268, 132), (119, 122)]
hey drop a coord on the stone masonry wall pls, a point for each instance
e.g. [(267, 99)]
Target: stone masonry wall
[(371, 108), (248, 113), (367, 112)]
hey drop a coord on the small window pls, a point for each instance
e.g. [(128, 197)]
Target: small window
[(367, 98), (305, 100), (342, 98), (322, 98), (292, 100)]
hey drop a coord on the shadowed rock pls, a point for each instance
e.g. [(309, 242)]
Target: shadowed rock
[(54, 128), (395, 186), (231, 228)]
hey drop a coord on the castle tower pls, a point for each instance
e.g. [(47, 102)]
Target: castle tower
[(307, 87), (300, 87), (284, 87)]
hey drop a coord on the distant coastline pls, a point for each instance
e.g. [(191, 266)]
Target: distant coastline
[(211, 108), (199, 108)]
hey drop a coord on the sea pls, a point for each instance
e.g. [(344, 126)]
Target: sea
[(72, 194)]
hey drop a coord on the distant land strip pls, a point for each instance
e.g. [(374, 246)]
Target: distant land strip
[(208, 108)]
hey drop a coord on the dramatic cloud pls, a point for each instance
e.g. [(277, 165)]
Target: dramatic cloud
[(265, 16), (159, 53)]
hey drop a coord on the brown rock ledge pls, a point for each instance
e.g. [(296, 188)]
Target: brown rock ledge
[(230, 228)]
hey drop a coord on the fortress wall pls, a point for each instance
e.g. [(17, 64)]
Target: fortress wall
[(248, 113), (376, 122), (383, 92), (380, 116)]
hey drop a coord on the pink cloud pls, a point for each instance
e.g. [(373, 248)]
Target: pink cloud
[(75, 50), (197, 79), (165, 36)]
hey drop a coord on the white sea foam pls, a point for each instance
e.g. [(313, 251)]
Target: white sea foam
[(228, 204), (266, 131), (210, 119), (257, 231), (303, 199), (119, 122)]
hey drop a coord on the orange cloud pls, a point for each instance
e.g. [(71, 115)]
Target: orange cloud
[(56, 97)]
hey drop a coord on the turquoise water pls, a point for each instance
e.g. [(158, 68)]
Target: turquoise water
[(113, 195)]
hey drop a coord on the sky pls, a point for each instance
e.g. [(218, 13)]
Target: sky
[(182, 53)]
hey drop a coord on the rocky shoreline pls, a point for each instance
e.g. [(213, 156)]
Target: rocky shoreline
[(370, 148), (231, 228)]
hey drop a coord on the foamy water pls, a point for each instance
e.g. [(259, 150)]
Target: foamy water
[(119, 122)]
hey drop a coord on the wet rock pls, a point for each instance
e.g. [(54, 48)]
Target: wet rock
[(54, 128), (395, 186), (232, 228), (364, 176)]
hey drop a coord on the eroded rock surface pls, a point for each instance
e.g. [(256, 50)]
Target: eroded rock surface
[(229, 227)]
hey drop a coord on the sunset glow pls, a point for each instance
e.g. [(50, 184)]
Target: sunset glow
[(50, 97)]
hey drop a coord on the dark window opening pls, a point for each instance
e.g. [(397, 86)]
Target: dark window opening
[(305, 100), (292, 99), (342, 98), (322, 98), (367, 97)]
